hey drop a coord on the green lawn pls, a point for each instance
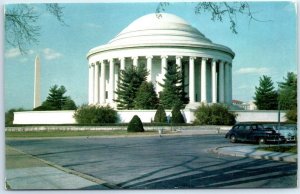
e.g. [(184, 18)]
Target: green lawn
[(58, 133), (291, 149)]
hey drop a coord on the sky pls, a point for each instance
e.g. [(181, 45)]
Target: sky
[(268, 47)]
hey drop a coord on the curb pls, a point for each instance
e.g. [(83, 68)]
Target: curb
[(287, 158)]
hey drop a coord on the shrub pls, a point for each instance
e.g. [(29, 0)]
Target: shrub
[(95, 115), (291, 115), (216, 114), (135, 125), (176, 115), (9, 115), (160, 115)]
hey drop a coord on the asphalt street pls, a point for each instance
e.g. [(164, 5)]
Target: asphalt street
[(166, 162)]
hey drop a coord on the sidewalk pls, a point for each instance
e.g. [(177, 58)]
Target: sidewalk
[(24, 171), (252, 152)]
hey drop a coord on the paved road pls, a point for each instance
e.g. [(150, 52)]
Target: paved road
[(161, 162)]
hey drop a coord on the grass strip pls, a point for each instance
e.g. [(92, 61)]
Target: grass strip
[(283, 149), (69, 133)]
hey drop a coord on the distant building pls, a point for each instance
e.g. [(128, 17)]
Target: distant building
[(156, 43), (237, 104)]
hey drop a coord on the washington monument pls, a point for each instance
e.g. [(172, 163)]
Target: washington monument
[(37, 83)]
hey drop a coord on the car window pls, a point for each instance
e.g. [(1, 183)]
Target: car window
[(241, 127), (248, 127), (260, 127), (254, 127)]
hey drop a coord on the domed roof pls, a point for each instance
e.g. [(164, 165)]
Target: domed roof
[(160, 30)]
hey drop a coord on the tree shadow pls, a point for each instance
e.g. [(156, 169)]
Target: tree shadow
[(235, 174)]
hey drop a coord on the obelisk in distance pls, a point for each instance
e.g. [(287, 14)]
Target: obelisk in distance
[(37, 82)]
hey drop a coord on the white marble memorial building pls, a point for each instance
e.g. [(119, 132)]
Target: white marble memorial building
[(157, 41)]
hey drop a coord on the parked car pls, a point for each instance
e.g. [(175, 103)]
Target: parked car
[(288, 131), (253, 132)]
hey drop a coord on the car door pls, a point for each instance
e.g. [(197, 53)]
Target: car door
[(246, 133)]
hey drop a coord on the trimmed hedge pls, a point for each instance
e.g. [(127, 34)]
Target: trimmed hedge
[(135, 125), (176, 115), (160, 115), (95, 115)]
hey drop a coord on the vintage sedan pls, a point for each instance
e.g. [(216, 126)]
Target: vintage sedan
[(253, 132)]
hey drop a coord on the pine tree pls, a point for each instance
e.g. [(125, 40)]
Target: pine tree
[(56, 100), (129, 82), (173, 88), (146, 97), (265, 95), (288, 92)]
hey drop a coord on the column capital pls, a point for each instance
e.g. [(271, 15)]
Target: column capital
[(149, 57), (214, 60), (193, 58), (164, 56), (134, 57), (204, 58), (110, 60), (121, 58), (179, 57)]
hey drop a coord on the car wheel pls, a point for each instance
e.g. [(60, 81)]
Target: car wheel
[(261, 141), (233, 139)]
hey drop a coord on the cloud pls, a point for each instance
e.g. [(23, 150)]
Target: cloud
[(253, 70), (12, 53), (51, 54)]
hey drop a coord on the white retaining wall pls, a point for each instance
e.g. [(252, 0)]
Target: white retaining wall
[(66, 117)]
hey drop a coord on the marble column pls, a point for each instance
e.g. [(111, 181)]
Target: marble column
[(149, 68), (91, 83), (135, 61), (178, 62), (102, 84), (163, 65), (221, 82), (203, 81), (192, 79), (122, 63), (96, 89), (214, 81), (111, 80)]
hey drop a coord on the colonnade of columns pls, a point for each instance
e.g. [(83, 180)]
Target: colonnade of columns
[(221, 78)]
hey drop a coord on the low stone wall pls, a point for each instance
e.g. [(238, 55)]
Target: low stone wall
[(66, 117), (208, 129)]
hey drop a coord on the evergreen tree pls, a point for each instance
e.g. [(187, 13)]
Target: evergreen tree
[(176, 115), (265, 95), (160, 115), (129, 82), (56, 100), (146, 97), (173, 88), (288, 92)]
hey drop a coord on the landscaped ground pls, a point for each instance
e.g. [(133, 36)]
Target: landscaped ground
[(291, 149), (57, 133)]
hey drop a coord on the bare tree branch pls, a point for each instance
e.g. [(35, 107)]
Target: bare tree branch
[(21, 24), (220, 11)]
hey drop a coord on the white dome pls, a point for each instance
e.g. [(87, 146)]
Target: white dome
[(157, 30), (160, 29)]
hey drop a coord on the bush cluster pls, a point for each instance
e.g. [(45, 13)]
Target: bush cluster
[(291, 115), (216, 114), (135, 125), (95, 115)]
